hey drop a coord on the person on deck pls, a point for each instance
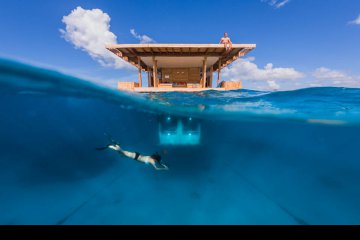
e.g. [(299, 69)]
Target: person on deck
[(227, 42)]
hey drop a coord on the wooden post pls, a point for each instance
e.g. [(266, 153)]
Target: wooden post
[(204, 72), (219, 70), (140, 75), (149, 76), (155, 83), (156, 75), (211, 76)]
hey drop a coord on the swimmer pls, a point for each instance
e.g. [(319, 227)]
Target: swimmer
[(154, 160)]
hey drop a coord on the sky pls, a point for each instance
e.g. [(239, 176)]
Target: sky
[(300, 43)]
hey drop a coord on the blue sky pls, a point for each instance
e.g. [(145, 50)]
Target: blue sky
[(307, 42)]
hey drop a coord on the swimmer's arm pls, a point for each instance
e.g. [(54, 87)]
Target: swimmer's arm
[(164, 168), (149, 160)]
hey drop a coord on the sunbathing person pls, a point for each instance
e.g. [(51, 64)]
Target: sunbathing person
[(227, 42)]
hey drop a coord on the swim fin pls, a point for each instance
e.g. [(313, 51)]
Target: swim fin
[(102, 148)]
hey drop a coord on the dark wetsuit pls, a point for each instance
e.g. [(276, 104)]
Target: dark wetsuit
[(137, 155)]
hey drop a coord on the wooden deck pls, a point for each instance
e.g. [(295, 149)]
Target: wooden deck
[(132, 52), (134, 87), (160, 90)]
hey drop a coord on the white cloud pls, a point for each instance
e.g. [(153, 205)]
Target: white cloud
[(247, 70), (89, 30), (326, 73), (261, 78), (273, 85), (142, 38), (356, 21), (276, 3), (328, 77)]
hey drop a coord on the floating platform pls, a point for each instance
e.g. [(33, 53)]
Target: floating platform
[(134, 87), (179, 67), (159, 89)]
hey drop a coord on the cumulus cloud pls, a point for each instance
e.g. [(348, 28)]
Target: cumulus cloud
[(276, 3), (356, 21), (245, 69), (273, 85), (142, 38), (280, 78), (89, 30), (329, 77), (326, 73)]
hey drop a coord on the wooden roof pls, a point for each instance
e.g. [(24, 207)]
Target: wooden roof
[(132, 52)]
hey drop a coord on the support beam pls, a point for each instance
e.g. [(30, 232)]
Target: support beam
[(155, 80), (140, 75), (204, 72), (219, 70), (211, 76), (149, 76), (179, 54), (130, 52)]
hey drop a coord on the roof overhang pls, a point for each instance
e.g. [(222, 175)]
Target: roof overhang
[(179, 55)]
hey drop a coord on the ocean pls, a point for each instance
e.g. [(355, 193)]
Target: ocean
[(237, 157)]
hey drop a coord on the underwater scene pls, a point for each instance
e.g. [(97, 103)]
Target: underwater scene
[(236, 157)]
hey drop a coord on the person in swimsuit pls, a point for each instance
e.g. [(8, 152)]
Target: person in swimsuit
[(154, 160), (227, 42)]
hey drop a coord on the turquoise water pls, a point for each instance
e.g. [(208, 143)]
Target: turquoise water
[(262, 157)]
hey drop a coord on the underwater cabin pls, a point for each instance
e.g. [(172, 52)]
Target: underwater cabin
[(179, 67)]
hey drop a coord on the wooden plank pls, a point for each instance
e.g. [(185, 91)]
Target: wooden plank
[(127, 58), (179, 54), (130, 86), (132, 51), (117, 52), (178, 46), (168, 89)]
